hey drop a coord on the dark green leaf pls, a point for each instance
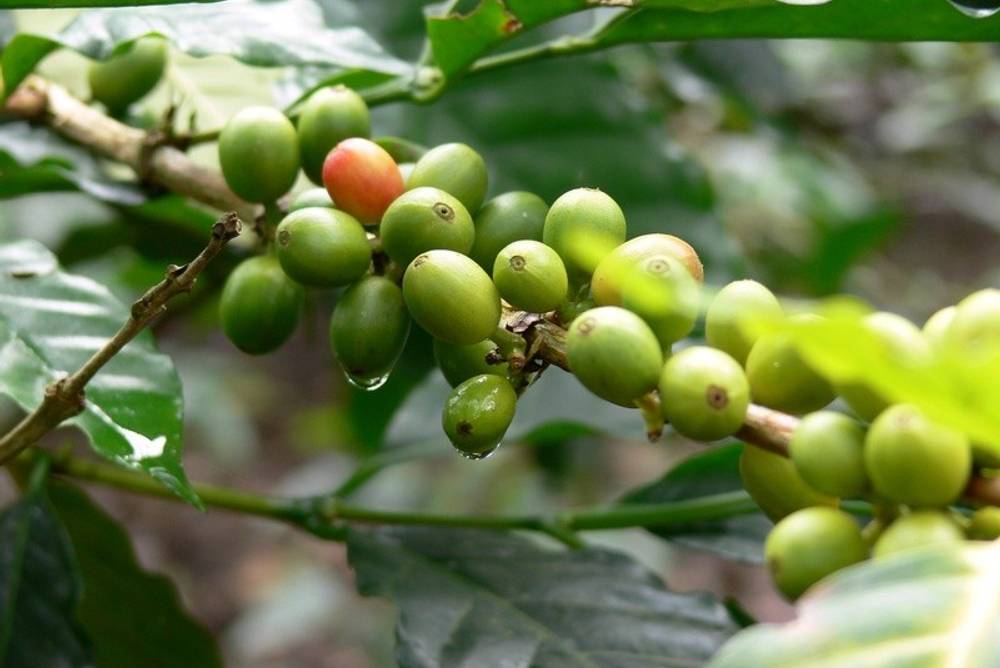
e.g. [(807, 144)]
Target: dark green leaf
[(715, 471), (876, 20), (50, 323), (34, 159), (933, 607), (481, 598), (114, 582), (265, 34), (38, 589)]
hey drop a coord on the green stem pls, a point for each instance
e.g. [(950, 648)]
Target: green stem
[(560, 47), (323, 516)]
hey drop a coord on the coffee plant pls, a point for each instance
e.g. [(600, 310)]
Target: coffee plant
[(849, 450)]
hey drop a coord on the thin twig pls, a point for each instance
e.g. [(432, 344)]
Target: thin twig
[(65, 397)]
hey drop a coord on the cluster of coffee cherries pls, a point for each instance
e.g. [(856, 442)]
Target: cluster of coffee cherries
[(420, 242)]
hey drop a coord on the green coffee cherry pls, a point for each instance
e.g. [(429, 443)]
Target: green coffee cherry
[(506, 218), (704, 393), (728, 323), (903, 343), (425, 219), (809, 545), (125, 78), (328, 117), (918, 529), (451, 297), (323, 247), (478, 413), (368, 330), (583, 226), (530, 276), (827, 450), (311, 198), (259, 154), (775, 485), (614, 354), (460, 363), (781, 379), (455, 169), (985, 524), (662, 292), (936, 328), (912, 460), (260, 305), (620, 264), (976, 325)]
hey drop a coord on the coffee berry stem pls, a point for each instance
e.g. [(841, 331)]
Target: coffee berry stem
[(649, 406)]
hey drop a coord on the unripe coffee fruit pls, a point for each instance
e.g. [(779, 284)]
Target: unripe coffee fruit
[(780, 377), (827, 449), (260, 305), (530, 276), (730, 317), (704, 393), (259, 154), (425, 219), (809, 545), (985, 524), (125, 78), (975, 328), (662, 292), (328, 117), (614, 354), (913, 460), (936, 328), (775, 485), (311, 198), (454, 168), (918, 529), (362, 178), (368, 330), (902, 343), (506, 218), (583, 226), (477, 414), (451, 297), (616, 267), (322, 247), (460, 363)]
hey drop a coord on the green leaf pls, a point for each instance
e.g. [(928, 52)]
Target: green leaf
[(38, 589), (934, 607), (265, 34), (715, 471), (60, 4), (33, 159), (50, 323), (874, 20), (113, 582), (954, 387), (481, 598)]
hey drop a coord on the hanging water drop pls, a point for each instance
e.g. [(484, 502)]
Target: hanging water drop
[(476, 456), (364, 383), (804, 2), (977, 9)]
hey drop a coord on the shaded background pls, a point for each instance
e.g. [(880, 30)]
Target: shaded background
[(815, 167)]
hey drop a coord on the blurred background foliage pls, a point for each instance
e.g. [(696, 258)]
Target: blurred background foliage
[(816, 167)]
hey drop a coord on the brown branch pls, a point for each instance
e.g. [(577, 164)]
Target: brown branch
[(763, 427), (65, 398), (41, 101)]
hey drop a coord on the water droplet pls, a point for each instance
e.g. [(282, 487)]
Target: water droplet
[(365, 383), (804, 2), (476, 456), (977, 9)]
